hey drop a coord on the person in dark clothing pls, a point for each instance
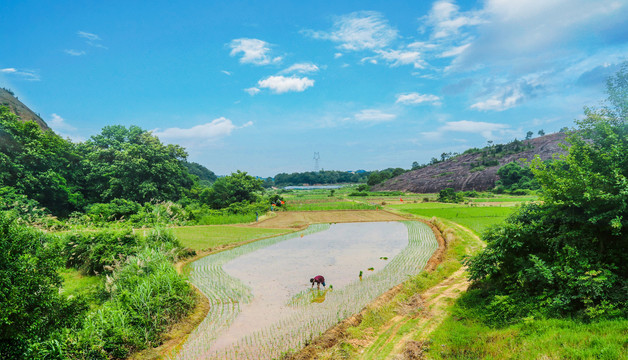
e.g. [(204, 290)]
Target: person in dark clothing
[(318, 279)]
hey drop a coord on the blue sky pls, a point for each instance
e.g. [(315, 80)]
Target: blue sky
[(261, 85)]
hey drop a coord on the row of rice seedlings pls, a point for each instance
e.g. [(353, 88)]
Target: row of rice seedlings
[(225, 293), (311, 319)]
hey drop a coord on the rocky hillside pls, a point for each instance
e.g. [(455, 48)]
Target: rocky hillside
[(467, 172), (19, 109)]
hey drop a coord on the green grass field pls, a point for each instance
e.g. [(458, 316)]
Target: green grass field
[(462, 337), (476, 218), (203, 237), (505, 199), (329, 205)]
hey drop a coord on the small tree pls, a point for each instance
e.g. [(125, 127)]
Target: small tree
[(449, 195), (541, 132), (235, 188), (529, 135)]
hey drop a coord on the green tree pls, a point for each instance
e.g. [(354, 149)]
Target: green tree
[(133, 164), (449, 195), (31, 306), (529, 135), (39, 164), (513, 176), (569, 254), (204, 174), (235, 188)]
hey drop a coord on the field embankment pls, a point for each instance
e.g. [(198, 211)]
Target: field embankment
[(295, 219)]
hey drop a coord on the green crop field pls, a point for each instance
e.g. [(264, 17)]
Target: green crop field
[(476, 218), (331, 205), (203, 237), (505, 199)]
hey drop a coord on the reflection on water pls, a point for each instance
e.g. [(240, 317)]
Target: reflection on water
[(279, 272), (261, 299)]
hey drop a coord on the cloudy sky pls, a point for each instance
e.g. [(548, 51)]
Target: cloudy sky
[(261, 85)]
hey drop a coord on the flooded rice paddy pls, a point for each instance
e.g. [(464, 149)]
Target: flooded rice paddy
[(259, 293)]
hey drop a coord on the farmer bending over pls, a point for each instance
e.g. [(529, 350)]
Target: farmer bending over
[(319, 279)]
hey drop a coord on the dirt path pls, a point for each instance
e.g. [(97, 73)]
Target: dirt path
[(427, 314), (294, 219)]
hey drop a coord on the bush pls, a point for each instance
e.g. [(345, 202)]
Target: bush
[(146, 297), (449, 195), (31, 306), (95, 252), (117, 209)]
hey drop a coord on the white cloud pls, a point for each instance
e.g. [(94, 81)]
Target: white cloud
[(254, 51), (74, 52), (528, 33), (57, 123), (505, 97), (89, 36), (62, 128), (416, 98), (281, 84), (91, 39), (252, 90), (203, 134), (337, 55), (446, 20), (455, 51), (373, 116), (28, 75), (402, 57), (369, 59), (475, 127), (226, 72), (362, 30), (301, 68)]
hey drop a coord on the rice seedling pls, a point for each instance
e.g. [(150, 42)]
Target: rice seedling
[(308, 313)]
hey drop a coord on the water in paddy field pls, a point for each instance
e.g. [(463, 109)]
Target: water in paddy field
[(259, 293), (279, 272)]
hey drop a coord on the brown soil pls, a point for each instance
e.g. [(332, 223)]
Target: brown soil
[(292, 219)]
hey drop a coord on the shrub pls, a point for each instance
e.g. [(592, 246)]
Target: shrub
[(31, 306), (449, 195)]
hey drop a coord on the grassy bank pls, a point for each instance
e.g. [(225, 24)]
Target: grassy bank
[(204, 237), (464, 335)]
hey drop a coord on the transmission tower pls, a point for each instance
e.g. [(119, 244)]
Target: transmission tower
[(316, 158)]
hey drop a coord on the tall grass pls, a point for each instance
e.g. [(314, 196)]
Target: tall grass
[(147, 295)]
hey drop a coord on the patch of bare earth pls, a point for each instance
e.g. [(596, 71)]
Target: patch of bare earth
[(292, 219)]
